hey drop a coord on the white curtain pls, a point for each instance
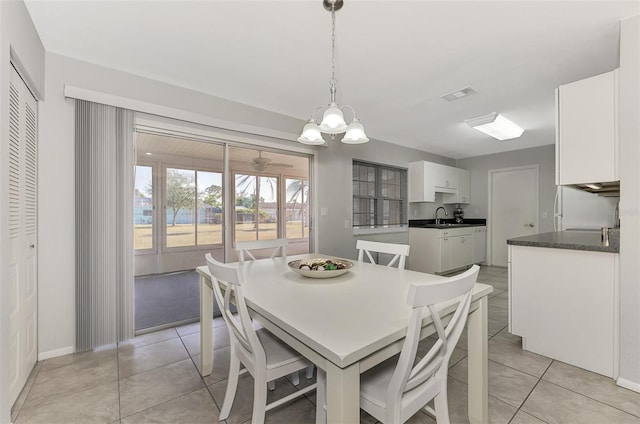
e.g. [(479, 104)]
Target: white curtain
[(104, 176)]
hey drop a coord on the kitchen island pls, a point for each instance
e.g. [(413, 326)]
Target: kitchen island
[(563, 297), (572, 240)]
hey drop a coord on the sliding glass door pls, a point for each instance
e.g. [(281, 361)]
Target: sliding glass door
[(185, 206)]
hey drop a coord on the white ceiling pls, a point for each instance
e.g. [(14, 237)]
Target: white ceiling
[(394, 58)]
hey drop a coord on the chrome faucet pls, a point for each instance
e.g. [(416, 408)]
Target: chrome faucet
[(436, 214)]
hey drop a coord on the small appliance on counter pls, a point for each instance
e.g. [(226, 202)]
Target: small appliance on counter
[(458, 214)]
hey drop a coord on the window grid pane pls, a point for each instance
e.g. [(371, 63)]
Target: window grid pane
[(143, 208), (181, 207), (379, 195)]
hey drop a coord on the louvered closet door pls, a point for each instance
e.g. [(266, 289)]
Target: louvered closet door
[(23, 137)]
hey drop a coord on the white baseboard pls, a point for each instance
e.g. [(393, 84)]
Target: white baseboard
[(631, 385), (55, 353)]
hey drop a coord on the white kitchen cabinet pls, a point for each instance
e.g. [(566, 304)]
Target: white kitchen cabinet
[(463, 189), (564, 305), (445, 178), (463, 246), (438, 251), (587, 130), (479, 244), (427, 178), (446, 254)]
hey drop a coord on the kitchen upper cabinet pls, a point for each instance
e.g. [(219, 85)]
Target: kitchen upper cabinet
[(587, 130), (463, 189), (428, 178), (445, 178)]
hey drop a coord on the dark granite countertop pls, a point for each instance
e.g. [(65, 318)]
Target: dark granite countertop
[(446, 223), (574, 240)]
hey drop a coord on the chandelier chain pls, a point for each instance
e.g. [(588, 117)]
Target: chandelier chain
[(333, 50)]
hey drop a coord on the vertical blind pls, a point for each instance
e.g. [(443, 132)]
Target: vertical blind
[(104, 178)]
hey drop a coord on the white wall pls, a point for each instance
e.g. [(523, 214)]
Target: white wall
[(630, 203), (335, 193), (19, 42), (56, 196), (480, 166)]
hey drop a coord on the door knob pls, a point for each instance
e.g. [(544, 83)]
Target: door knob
[(529, 225)]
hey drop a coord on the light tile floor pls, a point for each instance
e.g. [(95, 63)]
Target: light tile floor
[(154, 379)]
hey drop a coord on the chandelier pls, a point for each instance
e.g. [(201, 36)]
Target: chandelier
[(333, 122)]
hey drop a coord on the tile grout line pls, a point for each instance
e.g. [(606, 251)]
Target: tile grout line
[(586, 396), (200, 371), (529, 394), (153, 369)]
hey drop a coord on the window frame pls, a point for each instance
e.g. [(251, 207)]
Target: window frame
[(379, 199), (163, 221), (154, 209)]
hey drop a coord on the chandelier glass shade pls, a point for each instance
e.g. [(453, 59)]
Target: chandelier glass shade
[(333, 122)]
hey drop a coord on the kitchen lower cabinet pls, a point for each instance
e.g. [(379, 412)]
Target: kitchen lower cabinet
[(479, 244), (564, 305), (438, 251)]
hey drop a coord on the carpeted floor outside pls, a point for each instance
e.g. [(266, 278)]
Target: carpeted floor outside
[(166, 298)]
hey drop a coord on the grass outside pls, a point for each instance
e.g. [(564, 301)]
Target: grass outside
[(182, 235)]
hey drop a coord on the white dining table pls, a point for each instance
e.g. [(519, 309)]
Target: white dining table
[(346, 325)]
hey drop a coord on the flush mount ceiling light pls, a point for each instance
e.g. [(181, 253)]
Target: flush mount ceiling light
[(333, 122), (495, 125)]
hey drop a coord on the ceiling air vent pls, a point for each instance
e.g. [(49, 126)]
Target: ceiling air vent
[(458, 94)]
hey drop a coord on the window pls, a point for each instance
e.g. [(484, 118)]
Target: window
[(256, 207), (143, 208), (297, 208), (379, 195), (193, 207)]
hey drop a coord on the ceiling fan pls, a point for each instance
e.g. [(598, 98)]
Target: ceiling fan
[(260, 163)]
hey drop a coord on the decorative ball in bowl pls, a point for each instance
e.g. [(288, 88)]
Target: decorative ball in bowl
[(320, 268)]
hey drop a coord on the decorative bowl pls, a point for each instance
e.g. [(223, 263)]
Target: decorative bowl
[(314, 268)]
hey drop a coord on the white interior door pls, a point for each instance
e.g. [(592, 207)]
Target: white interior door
[(513, 208), (23, 136)]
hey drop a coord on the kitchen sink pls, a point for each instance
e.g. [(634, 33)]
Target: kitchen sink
[(446, 225)]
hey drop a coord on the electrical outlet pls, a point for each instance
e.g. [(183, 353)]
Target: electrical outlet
[(324, 211), (346, 223)]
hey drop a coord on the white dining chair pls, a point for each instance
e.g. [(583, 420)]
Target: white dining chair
[(400, 251), (393, 391), (245, 247), (263, 355), (279, 247)]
